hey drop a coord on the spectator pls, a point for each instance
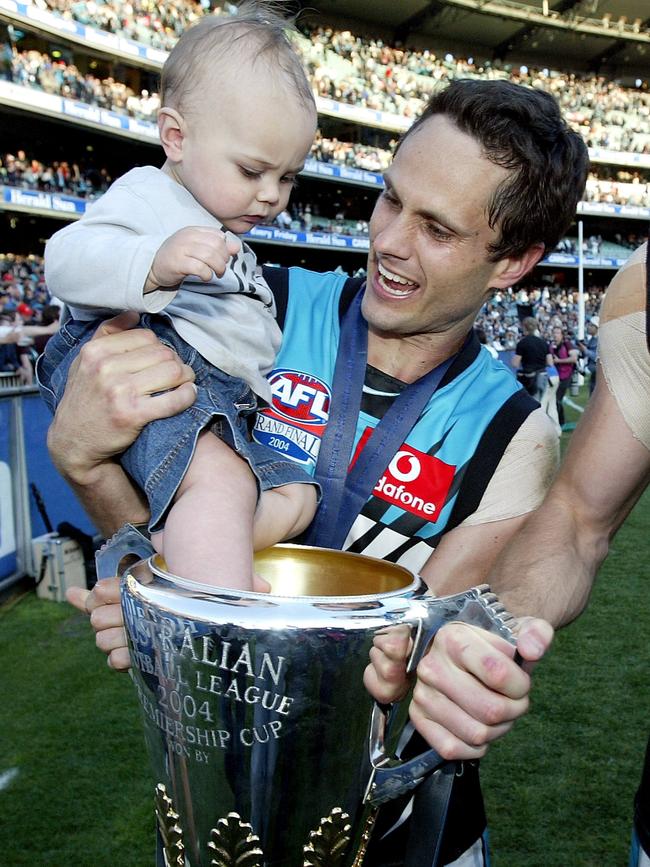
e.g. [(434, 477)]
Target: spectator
[(49, 325), (483, 340), (531, 359), (589, 350), (13, 357), (564, 358)]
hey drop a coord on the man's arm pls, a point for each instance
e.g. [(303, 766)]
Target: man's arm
[(39, 330), (550, 567), (466, 555)]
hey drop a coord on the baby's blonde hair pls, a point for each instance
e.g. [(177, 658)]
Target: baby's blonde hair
[(257, 31)]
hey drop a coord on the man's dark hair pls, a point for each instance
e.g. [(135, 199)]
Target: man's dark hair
[(522, 130)]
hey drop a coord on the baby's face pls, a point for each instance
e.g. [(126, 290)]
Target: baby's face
[(241, 160)]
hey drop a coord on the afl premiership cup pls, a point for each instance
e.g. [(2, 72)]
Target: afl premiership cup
[(267, 750)]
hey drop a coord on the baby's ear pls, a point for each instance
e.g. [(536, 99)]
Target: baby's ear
[(171, 129)]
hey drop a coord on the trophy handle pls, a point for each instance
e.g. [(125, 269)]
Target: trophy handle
[(391, 777), (129, 541)]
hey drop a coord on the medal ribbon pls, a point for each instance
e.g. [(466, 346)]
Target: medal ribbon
[(344, 493)]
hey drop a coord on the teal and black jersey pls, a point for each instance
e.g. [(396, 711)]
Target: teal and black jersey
[(440, 473)]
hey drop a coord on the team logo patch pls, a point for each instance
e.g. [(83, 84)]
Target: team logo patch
[(294, 423), (413, 481), (299, 397)]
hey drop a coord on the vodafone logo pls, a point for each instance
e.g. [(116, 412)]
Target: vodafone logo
[(399, 495), (414, 481), (408, 470), (300, 398)]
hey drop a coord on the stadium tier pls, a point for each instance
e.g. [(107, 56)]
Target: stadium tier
[(78, 101)]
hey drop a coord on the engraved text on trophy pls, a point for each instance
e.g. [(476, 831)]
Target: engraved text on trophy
[(197, 675)]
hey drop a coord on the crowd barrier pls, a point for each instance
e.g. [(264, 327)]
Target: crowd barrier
[(24, 461)]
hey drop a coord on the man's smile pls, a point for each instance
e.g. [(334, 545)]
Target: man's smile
[(392, 282)]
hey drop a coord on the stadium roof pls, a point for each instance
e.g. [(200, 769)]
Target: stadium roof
[(609, 36)]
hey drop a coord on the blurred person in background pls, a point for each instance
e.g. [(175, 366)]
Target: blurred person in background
[(549, 396), (564, 357), (531, 360), (483, 340), (21, 344), (589, 350), (49, 325)]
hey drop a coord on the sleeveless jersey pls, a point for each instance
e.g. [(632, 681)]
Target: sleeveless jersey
[(439, 474)]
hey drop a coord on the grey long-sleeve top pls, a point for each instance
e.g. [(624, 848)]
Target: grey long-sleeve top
[(98, 266)]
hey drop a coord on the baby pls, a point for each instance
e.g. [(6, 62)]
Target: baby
[(236, 123)]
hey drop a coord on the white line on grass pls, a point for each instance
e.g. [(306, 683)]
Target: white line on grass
[(8, 777)]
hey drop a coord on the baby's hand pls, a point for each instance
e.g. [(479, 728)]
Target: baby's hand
[(195, 251)]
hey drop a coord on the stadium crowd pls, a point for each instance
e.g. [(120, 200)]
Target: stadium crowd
[(350, 68), (27, 316), (343, 66), (156, 24), (552, 306), (398, 81), (394, 79), (24, 297), (353, 154), (326, 210), (27, 171), (22, 286)]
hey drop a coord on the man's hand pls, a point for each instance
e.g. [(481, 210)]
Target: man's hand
[(469, 689), (123, 379), (195, 251), (385, 678), (102, 604)]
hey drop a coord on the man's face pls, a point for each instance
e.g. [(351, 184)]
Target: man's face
[(428, 267)]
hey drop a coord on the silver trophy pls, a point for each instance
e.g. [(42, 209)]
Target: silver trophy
[(266, 748)]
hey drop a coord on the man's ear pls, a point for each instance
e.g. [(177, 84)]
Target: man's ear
[(171, 128), (509, 271)]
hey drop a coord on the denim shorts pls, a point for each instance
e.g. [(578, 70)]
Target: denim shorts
[(158, 460)]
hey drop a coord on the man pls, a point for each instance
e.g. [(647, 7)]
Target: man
[(531, 359), (454, 222), (564, 356)]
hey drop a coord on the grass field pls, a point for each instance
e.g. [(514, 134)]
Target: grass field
[(558, 789)]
